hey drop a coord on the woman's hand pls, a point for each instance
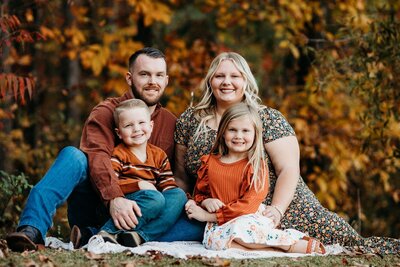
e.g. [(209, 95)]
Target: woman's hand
[(274, 214), (212, 204)]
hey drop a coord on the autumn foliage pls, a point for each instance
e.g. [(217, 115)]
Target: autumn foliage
[(331, 67)]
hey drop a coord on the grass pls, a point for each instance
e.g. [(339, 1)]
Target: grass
[(52, 257)]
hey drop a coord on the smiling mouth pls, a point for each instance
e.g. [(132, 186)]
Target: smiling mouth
[(238, 143), (227, 90), (151, 89)]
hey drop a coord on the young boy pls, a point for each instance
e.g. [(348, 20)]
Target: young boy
[(144, 175)]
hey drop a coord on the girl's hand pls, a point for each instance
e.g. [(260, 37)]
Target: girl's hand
[(274, 214), (193, 211), (212, 204)]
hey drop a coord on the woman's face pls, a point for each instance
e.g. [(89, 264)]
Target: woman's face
[(227, 83)]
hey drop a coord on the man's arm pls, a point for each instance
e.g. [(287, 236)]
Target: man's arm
[(98, 141)]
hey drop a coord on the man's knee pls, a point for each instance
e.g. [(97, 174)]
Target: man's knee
[(74, 154)]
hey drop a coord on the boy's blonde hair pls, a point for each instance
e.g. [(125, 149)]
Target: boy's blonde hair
[(129, 104), (256, 153)]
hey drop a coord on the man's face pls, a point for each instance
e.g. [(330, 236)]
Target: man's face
[(148, 79)]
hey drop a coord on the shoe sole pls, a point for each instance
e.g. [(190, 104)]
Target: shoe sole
[(126, 239), (20, 242)]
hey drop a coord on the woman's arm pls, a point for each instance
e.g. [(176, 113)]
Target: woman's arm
[(284, 154), (182, 179)]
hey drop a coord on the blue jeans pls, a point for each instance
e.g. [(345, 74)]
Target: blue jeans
[(184, 230), (160, 210), (66, 179)]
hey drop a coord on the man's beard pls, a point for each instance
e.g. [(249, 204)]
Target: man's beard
[(149, 102)]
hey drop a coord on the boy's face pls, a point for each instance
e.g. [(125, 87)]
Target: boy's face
[(134, 126)]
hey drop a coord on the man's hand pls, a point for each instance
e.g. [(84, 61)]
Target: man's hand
[(124, 213), (212, 204)]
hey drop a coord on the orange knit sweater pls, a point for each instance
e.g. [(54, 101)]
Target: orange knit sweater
[(228, 183), (130, 170)]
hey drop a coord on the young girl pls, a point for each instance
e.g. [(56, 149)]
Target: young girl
[(232, 183)]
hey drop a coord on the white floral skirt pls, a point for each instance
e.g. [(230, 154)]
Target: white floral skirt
[(251, 229)]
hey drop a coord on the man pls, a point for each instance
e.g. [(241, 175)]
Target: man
[(75, 171)]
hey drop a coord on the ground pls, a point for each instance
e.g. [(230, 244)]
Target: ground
[(52, 257)]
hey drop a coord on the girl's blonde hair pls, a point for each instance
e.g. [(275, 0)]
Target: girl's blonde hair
[(205, 109), (256, 155)]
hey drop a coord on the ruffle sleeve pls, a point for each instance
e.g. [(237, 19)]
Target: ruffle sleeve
[(202, 188)]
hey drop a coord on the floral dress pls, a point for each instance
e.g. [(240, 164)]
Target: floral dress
[(251, 229), (305, 213)]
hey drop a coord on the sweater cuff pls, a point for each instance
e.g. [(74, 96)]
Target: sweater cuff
[(220, 217)]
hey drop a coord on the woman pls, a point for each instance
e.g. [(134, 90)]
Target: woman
[(290, 203)]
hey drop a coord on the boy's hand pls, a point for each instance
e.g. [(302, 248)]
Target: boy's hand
[(124, 213), (212, 204)]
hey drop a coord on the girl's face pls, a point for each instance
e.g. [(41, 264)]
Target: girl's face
[(227, 83), (134, 127), (239, 136)]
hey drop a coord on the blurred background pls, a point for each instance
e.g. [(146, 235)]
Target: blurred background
[(331, 67)]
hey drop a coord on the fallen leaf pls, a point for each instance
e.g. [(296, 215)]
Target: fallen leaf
[(43, 258), (30, 263), (25, 253), (217, 262), (177, 262), (129, 263), (155, 255), (93, 256)]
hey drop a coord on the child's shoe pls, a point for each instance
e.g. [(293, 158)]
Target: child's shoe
[(129, 239)]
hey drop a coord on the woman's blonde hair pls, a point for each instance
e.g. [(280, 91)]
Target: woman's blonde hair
[(205, 109), (256, 155)]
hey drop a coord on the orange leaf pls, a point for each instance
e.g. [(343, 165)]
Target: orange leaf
[(29, 86), (3, 25), (22, 90), (3, 85), (14, 22), (14, 85)]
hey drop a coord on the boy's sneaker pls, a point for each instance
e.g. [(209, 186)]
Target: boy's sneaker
[(129, 239), (107, 237)]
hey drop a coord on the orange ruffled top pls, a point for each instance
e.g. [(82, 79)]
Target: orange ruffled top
[(230, 184)]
